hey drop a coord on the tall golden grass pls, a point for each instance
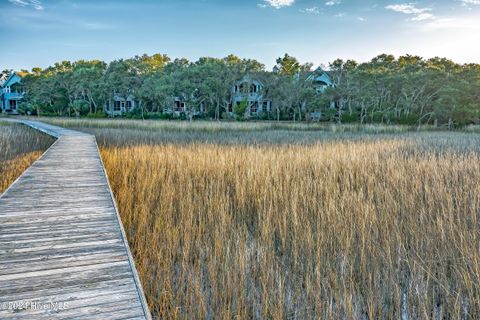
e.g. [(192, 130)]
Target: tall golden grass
[(375, 227), (19, 148), (286, 223)]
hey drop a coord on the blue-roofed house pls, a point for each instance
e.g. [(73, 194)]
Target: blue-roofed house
[(11, 93)]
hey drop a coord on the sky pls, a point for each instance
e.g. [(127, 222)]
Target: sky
[(38, 33)]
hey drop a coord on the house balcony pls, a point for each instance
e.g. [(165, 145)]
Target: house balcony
[(254, 96), (13, 95)]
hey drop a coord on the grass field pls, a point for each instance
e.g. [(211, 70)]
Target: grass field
[(20, 146), (259, 221)]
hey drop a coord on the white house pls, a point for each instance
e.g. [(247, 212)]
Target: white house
[(249, 91)]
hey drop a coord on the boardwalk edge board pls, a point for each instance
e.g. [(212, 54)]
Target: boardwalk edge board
[(141, 293), (90, 276)]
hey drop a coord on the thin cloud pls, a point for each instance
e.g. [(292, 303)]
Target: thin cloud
[(407, 8), (417, 14), (312, 10), (423, 17), (36, 4), (333, 2), (457, 24), (277, 4), (468, 2)]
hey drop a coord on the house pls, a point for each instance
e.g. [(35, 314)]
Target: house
[(181, 107), (178, 107), (250, 92), (320, 80), (11, 93), (119, 105)]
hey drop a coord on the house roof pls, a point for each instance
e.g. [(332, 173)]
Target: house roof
[(14, 77), (319, 75), (3, 79), (249, 79)]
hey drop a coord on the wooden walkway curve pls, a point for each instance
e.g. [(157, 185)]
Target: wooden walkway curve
[(63, 251)]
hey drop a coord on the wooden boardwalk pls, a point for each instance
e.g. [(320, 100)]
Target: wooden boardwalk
[(63, 252)]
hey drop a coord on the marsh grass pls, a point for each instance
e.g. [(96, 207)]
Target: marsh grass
[(322, 226), (220, 127), (19, 148)]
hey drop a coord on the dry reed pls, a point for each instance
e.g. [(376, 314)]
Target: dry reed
[(374, 228), (19, 148), (290, 224)]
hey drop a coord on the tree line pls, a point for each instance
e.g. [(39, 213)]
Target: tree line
[(405, 90)]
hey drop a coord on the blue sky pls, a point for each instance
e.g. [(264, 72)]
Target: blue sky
[(41, 32)]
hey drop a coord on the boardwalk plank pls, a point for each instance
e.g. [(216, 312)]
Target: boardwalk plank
[(61, 238)]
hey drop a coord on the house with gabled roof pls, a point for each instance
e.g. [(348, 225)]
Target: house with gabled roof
[(11, 93), (320, 80), (251, 92)]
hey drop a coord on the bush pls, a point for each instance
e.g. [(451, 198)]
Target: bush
[(348, 117), (410, 119), (329, 114), (27, 108), (240, 109)]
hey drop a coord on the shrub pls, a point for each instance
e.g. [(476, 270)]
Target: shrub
[(240, 109)]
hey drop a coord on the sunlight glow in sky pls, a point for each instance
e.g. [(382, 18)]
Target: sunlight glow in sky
[(41, 32)]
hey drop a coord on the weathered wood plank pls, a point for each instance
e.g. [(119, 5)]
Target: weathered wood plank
[(86, 278), (61, 239)]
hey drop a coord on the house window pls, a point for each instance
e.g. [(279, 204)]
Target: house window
[(253, 89), (265, 105), (13, 104), (129, 105), (230, 107), (254, 107), (179, 106), (116, 106)]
